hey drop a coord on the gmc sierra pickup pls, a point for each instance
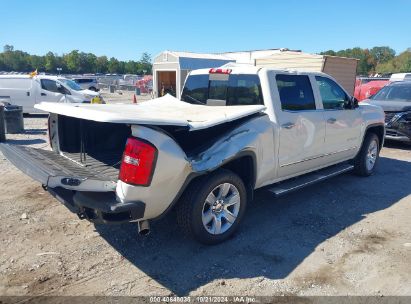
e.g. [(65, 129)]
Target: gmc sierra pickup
[(236, 129)]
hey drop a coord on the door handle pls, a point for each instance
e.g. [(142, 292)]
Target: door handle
[(43, 94), (331, 120), (288, 125)]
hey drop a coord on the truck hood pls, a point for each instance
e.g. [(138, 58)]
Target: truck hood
[(391, 105), (166, 110)]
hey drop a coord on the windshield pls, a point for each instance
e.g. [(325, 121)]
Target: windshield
[(394, 93), (70, 83)]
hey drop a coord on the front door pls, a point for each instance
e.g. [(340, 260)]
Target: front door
[(50, 91), (343, 124), (302, 126)]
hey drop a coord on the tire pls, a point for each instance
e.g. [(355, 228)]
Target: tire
[(204, 213), (367, 158)]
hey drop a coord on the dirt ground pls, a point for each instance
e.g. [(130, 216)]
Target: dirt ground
[(345, 236)]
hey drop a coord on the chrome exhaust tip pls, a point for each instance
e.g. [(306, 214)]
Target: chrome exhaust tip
[(143, 228)]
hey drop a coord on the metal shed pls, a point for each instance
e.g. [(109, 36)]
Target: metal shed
[(341, 68), (170, 69)]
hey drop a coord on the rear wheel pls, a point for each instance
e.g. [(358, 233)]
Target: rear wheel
[(212, 207), (367, 158)]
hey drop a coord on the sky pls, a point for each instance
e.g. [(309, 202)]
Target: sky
[(125, 29)]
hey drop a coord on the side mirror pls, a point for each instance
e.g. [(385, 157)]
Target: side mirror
[(354, 102)]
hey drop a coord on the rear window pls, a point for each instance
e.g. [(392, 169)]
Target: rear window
[(296, 93), (242, 89)]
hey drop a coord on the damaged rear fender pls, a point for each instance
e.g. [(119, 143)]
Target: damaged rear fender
[(254, 138)]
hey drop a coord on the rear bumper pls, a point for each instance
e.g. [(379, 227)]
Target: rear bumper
[(81, 189), (99, 207)]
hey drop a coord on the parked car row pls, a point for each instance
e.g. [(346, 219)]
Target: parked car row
[(28, 90)]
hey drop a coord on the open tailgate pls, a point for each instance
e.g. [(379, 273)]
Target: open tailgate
[(54, 170), (166, 110)]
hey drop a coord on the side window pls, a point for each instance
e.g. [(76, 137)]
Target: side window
[(244, 90), (49, 85), (296, 93), (334, 98)]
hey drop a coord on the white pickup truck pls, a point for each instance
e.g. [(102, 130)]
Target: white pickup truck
[(236, 129)]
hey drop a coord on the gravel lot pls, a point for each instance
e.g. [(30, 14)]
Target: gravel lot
[(345, 236)]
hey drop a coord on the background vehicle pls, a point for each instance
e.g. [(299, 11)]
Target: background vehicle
[(126, 163), (400, 77), (87, 83), (395, 99), (26, 91), (366, 87)]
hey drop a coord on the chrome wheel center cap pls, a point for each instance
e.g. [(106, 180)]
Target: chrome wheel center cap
[(218, 206)]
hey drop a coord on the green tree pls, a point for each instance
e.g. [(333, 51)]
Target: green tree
[(37, 62), (8, 48), (113, 65), (73, 61), (329, 52), (101, 64), (50, 62), (146, 64), (398, 64), (382, 54)]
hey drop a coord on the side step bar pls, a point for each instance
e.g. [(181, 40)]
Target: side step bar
[(309, 179)]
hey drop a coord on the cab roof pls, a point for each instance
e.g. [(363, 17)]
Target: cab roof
[(239, 68)]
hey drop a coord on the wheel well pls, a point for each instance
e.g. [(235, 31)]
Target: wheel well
[(379, 131), (244, 167)]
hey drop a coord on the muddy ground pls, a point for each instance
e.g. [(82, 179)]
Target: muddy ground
[(345, 236)]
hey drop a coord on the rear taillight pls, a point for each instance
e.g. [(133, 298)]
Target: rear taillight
[(137, 165)]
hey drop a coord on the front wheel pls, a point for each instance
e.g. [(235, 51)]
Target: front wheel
[(212, 207), (367, 158)]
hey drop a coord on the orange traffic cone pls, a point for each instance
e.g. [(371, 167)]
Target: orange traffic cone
[(134, 98)]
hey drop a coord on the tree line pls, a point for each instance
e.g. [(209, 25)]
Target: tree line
[(75, 62), (377, 60)]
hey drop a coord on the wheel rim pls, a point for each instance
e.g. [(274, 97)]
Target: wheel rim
[(221, 208), (372, 154)]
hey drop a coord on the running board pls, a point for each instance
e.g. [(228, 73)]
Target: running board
[(309, 179)]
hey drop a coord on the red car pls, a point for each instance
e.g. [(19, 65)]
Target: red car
[(366, 87)]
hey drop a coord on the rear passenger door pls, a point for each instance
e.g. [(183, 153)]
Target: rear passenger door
[(343, 124), (302, 125)]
